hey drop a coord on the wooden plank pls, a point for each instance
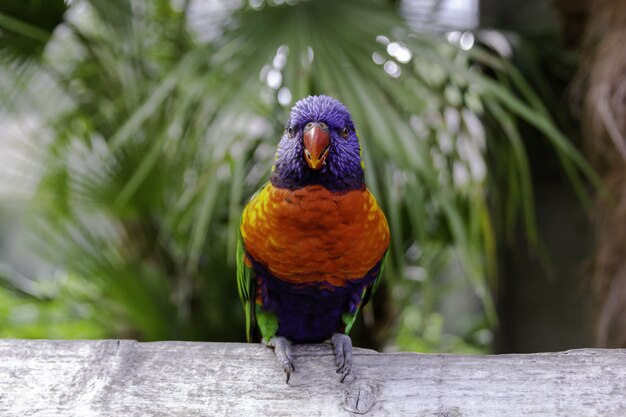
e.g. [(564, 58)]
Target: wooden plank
[(127, 378)]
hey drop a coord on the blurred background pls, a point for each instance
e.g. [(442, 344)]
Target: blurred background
[(134, 131)]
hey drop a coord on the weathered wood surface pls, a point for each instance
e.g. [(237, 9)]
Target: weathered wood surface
[(127, 378)]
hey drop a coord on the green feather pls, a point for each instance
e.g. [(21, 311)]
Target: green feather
[(268, 323), (246, 284)]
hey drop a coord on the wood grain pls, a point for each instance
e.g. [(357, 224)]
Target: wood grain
[(127, 378)]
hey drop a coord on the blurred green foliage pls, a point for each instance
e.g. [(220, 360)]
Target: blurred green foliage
[(163, 121), (61, 314), (27, 26)]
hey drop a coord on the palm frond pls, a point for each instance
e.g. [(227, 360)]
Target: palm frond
[(166, 135)]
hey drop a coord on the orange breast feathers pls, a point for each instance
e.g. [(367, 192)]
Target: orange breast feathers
[(313, 235)]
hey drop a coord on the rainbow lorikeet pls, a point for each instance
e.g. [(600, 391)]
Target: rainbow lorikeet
[(313, 239)]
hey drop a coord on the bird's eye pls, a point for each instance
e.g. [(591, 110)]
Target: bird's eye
[(345, 132), (290, 132)]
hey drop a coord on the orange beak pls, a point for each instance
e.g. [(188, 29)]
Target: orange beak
[(316, 144)]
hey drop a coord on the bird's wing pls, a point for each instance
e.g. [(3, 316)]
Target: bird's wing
[(371, 289), (368, 292), (246, 283), (266, 322)]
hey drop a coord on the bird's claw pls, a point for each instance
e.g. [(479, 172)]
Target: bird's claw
[(343, 354), (288, 367), (282, 349)]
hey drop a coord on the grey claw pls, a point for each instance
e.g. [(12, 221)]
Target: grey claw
[(282, 349), (344, 375), (288, 365), (343, 354)]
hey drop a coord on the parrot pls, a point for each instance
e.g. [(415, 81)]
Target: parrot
[(313, 240)]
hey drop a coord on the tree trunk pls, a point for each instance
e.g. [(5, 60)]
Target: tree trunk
[(598, 27)]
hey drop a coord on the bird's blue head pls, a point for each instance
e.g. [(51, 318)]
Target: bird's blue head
[(319, 146)]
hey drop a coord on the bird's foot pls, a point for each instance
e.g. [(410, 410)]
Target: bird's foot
[(282, 349), (343, 354)]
